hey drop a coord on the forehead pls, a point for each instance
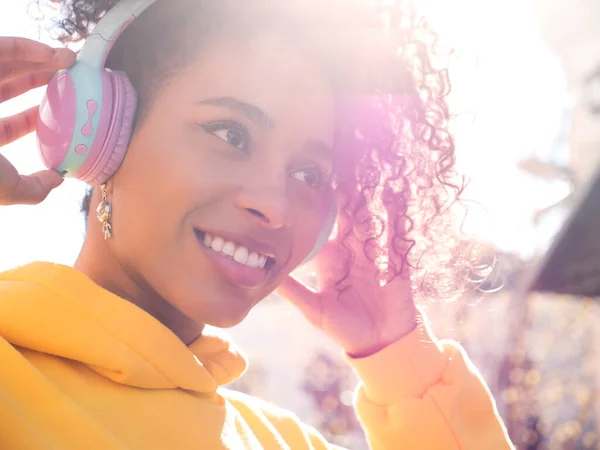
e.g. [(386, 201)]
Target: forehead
[(270, 71)]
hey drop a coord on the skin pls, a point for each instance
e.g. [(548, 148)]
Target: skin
[(178, 176)]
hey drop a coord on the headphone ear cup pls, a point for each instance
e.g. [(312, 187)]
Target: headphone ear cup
[(56, 119), (118, 135)]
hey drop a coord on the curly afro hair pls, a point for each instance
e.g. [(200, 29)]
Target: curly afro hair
[(395, 175)]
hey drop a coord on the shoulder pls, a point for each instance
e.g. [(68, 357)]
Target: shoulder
[(287, 424)]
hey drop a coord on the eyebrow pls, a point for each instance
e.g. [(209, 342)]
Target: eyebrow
[(252, 112)]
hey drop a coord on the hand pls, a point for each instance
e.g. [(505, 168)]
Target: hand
[(25, 65), (363, 319)]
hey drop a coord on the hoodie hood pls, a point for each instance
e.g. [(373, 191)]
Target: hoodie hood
[(55, 309)]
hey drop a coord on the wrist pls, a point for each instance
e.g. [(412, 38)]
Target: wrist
[(389, 334)]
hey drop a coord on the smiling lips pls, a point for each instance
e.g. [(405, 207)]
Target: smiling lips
[(238, 252), (237, 263)]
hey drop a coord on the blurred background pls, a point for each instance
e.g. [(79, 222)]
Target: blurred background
[(526, 99)]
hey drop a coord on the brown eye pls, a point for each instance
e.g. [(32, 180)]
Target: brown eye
[(312, 177), (232, 133)]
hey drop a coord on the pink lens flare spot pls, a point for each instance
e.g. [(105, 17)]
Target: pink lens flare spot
[(81, 149), (92, 107)]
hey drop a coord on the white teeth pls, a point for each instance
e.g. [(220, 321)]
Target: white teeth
[(229, 248), (252, 260), (217, 244), (239, 253)]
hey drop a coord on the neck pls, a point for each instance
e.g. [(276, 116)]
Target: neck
[(104, 269)]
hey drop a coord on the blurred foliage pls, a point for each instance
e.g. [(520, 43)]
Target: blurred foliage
[(330, 385), (548, 384)]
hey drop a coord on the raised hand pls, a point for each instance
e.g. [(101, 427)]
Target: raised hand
[(364, 318), (24, 65)]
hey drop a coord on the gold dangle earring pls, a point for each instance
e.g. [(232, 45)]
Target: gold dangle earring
[(103, 213)]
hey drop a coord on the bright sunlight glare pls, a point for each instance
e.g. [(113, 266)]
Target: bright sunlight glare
[(509, 95)]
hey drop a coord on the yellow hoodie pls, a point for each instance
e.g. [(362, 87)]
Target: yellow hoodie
[(81, 368)]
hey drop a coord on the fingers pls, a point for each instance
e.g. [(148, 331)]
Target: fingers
[(62, 59), (22, 49), (16, 189), (14, 88), (24, 65), (17, 126), (33, 189)]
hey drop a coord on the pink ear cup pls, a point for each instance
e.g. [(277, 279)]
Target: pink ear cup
[(124, 100), (56, 121)]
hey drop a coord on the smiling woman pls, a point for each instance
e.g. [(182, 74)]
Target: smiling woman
[(220, 151), (223, 140)]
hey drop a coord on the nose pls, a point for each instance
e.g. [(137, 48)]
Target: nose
[(265, 201)]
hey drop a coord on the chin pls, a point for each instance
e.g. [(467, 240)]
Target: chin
[(219, 302), (226, 318)]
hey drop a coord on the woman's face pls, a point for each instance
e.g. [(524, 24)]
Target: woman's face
[(225, 189)]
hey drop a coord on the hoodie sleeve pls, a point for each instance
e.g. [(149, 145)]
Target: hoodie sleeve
[(421, 393)]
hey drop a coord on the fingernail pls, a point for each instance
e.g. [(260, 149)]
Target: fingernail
[(58, 182)]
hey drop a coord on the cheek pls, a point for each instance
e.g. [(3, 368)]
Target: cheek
[(150, 193)]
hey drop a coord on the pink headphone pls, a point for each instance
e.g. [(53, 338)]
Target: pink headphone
[(86, 117)]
